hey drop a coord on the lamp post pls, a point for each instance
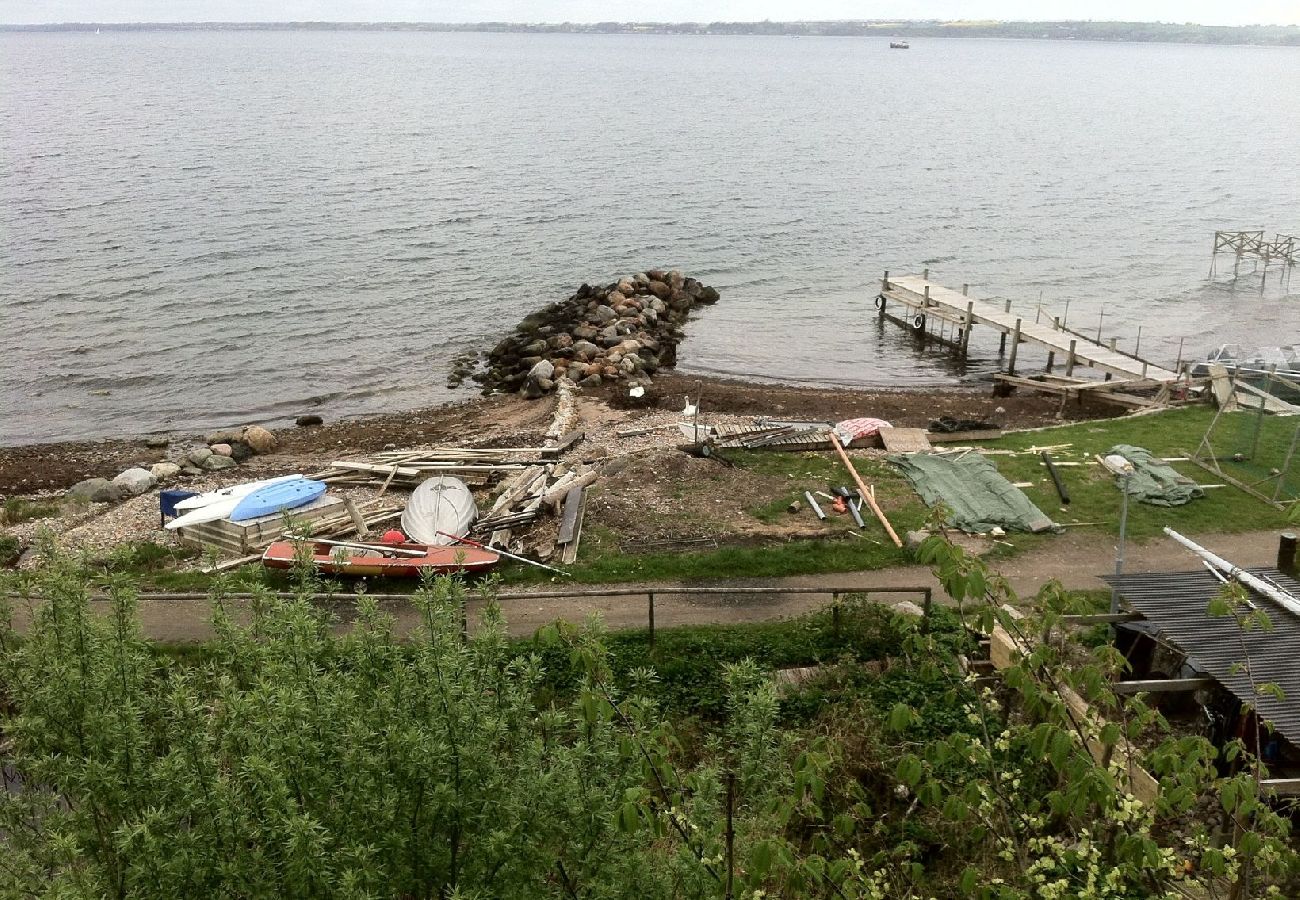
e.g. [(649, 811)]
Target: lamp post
[(1127, 472)]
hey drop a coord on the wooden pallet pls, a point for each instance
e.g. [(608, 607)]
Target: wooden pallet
[(242, 538), (905, 440)]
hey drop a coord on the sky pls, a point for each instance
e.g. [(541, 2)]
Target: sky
[(1205, 12)]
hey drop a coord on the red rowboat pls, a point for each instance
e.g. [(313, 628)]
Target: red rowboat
[(387, 560)]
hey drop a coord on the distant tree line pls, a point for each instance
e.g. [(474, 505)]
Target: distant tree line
[(1145, 32)]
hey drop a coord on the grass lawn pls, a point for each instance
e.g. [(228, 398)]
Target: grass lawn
[(1095, 495)]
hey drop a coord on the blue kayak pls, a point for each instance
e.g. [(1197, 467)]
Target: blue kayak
[(277, 497)]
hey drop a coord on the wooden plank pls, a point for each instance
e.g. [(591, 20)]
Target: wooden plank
[(1161, 686), (569, 518), (1286, 787), (1100, 618), (1221, 387), (570, 554), (958, 437), (904, 440), (569, 440), (863, 491)]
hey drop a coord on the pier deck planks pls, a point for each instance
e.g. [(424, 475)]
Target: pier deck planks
[(948, 304)]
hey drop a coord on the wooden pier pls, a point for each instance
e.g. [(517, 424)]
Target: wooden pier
[(920, 304), (1284, 249)]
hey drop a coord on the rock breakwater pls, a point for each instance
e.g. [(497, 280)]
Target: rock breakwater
[(621, 332)]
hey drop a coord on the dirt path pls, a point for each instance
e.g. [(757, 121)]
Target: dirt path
[(1077, 560)]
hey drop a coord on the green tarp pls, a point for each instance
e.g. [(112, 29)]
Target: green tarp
[(1154, 481), (978, 499)]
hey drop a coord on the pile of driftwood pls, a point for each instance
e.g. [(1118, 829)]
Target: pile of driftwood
[(407, 468), (533, 483), (549, 488)]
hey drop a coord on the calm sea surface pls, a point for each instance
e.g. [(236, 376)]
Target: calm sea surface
[(213, 228)]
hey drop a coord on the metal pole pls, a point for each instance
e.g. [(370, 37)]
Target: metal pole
[(1137, 348), (1101, 318), (1119, 551), (1179, 363), (1286, 465)]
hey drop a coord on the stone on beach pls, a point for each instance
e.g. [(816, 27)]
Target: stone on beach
[(96, 490), (135, 481), (261, 440), (610, 333), (222, 450), (164, 471), (216, 463)]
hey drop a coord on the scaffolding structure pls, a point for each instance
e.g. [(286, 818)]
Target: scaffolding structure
[(1283, 249), (1251, 450)]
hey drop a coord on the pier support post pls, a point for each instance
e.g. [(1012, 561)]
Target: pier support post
[(884, 282), (964, 289), (965, 331), (1069, 360), (925, 273), (1015, 345), (1051, 361)]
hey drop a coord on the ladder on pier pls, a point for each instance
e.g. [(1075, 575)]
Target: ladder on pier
[(922, 300)]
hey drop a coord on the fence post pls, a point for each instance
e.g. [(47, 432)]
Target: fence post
[(835, 614), (651, 595), (925, 619)]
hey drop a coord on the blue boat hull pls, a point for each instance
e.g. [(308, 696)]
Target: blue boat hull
[(276, 498)]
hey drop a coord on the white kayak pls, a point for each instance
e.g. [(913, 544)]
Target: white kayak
[(235, 490), (441, 504)]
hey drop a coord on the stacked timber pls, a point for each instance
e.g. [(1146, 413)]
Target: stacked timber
[(407, 468)]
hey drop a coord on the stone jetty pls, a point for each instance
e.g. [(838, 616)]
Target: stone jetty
[(621, 332)]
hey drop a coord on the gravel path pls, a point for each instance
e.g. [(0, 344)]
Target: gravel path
[(1077, 560)]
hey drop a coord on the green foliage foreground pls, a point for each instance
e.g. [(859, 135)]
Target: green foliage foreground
[(294, 762)]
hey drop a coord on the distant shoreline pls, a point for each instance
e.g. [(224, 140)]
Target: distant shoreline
[(1112, 32)]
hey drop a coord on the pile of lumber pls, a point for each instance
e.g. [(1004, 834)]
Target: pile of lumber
[(553, 488), (407, 468), (1131, 393)]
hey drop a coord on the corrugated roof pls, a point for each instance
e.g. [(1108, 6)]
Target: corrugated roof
[(1177, 603)]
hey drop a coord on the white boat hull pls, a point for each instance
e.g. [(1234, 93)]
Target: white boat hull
[(439, 505)]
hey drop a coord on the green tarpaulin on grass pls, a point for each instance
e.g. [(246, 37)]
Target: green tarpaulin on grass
[(978, 499), (1154, 481)]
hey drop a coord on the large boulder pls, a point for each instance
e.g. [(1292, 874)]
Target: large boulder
[(215, 463), (86, 491), (164, 471), (135, 481), (261, 440), (309, 420), (198, 456), (660, 290), (224, 436)]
